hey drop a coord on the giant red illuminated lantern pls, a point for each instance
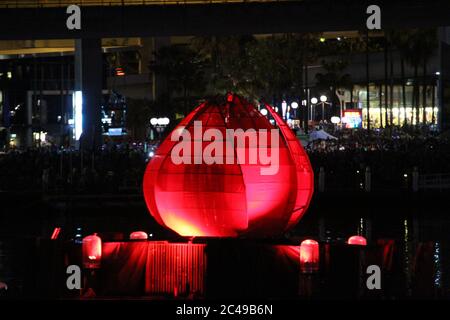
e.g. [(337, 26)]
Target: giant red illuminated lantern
[(230, 200)]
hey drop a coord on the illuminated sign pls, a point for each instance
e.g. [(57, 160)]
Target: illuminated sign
[(78, 114), (115, 131), (352, 118)]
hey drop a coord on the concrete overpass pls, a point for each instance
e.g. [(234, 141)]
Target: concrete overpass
[(46, 19)]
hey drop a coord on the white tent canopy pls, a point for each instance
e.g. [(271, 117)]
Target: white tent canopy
[(320, 135)]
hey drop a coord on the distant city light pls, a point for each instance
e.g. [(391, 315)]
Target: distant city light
[(338, 38), (264, 112), (314, 100), (294, 105), (115, 131), (78, 113), (323, 98), (165, 121), (335, 120), (55, 233), (107, 120), (159, 121), (322, 39), (120, 72), (437, 73), (284, 108)]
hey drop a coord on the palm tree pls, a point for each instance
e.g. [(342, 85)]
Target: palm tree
[(228, 61), (275, 67), (428, 45), (333, 79), (368, 80), (138, 117), (391, 82), (416, 47), (184, 70), (386, 95)]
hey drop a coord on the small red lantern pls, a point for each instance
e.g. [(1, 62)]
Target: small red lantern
[(309, 256), (92, 251), (357, 240), (138, 235)]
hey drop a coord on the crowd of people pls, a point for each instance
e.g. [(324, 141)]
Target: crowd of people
[(390, 158), (51, 169)]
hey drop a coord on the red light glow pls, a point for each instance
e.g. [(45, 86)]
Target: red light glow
[(309, 256), (92, 251), (138, 235), (229, 200), (55, 233), (357, 240), (163, 266), (120, 72)]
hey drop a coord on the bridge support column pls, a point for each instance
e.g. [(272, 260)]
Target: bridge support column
[(88, 80), (444, 78)]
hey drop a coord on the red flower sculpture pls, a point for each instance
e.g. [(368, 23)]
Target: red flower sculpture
[(239, 194)]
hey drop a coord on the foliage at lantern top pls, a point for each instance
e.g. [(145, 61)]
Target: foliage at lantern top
[(243, 194), (92, 251), (357, 240), (138, 235)]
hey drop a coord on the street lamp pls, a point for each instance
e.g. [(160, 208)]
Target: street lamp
[(163, 121), (284, 109), (335, 120), (323, 102), (160, 124), (294, 105)]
